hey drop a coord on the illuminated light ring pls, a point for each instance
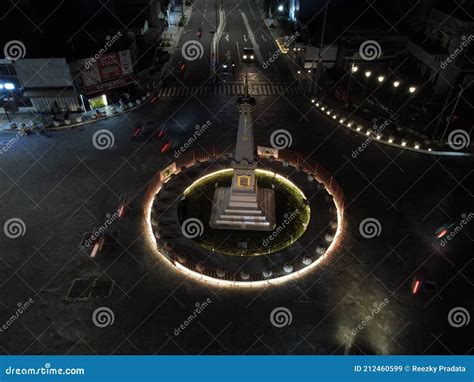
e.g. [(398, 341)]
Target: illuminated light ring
[(247, 284)]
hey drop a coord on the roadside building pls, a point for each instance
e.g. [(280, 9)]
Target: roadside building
[(442, 49), (48, 83)]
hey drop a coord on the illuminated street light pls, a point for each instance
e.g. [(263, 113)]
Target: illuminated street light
[(281, 8), (412, 89), (380, 78), (396, 84), (368, 73)]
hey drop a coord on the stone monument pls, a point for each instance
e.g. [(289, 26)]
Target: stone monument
[(243, 205)]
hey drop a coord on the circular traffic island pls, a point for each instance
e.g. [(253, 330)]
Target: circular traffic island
[(292, 216), (308, 220)]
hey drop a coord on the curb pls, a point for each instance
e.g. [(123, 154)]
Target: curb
[(359, 129), (72, 126)]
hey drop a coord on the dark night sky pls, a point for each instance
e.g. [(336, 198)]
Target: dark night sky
[(46, 26)]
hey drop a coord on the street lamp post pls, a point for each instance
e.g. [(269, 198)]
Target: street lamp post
[(367, 75), (354, 69), (396, 84)]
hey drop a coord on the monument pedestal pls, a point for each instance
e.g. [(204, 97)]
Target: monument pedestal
[(243, 210)]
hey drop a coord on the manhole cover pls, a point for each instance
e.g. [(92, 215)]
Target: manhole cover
[(85, 288)]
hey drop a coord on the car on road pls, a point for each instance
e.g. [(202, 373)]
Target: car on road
[(248, 55), (146, 131)]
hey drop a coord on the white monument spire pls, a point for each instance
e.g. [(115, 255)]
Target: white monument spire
[(242, 205)]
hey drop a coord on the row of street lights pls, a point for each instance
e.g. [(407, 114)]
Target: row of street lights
[(380, 79)]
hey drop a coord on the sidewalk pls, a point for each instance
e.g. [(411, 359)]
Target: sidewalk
[(47, 121), (22, 120)]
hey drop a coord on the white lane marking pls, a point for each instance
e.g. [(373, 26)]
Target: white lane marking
[(227, 37), (252, 38), (245, 38), (251, 10), (263, 38), (238, 53)]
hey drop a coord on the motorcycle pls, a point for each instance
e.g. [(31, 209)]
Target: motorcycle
[(199, 33)]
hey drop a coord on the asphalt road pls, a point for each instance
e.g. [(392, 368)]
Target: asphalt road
[(63, 186)]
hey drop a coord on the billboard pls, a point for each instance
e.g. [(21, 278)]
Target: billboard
[(109, 71)]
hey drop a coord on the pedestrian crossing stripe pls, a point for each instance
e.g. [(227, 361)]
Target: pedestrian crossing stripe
[(231, 90)]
